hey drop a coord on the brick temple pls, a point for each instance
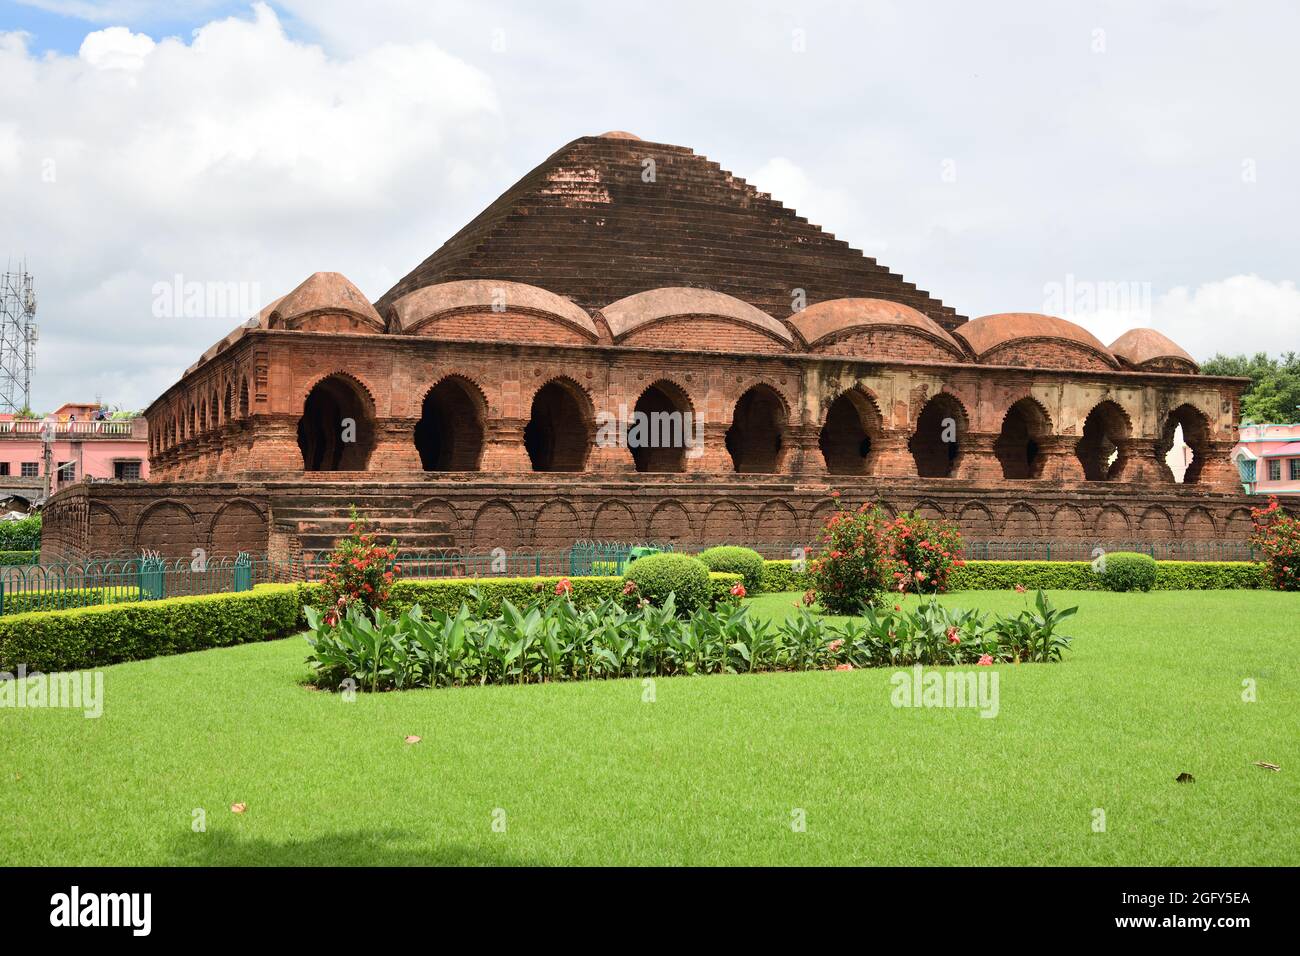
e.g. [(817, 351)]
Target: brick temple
[(464, 407)]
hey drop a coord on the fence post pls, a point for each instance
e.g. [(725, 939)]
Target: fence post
[(243, 572), (150, 578)]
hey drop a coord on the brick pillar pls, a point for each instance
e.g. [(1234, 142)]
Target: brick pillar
[(804, 455), (891, 457), (1060, 463), (395, 446), (1143, 463), (978, 460), (274, 445), (1219, 471), (503, 447), (713, 459)]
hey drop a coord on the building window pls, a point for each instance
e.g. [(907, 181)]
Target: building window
[(4, 467), (1294, 468), (1247, 468), (127, 470), (1275, 470), (31, 469), (67, 472)]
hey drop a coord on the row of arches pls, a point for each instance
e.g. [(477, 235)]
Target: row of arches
[(226, 402), (561, 431)]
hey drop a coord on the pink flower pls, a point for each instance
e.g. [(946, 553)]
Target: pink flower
[(563, 587), (952, 636), (629, 588), (920, 575), (835, 645), (1020, 589), (738, 590), (844, 667), (985, 660)]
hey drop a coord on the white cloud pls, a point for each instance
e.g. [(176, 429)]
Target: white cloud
[(243, 156), (116, 48)]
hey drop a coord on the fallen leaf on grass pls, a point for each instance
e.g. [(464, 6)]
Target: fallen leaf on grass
[(1184, 777), (412, 739), (238, 807), (1264, 765)]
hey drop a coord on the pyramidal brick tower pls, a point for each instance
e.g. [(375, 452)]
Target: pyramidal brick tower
[(608, 216)]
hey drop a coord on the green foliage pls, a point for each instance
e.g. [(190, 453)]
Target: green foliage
[(10, 559), (746, 562), (658, 575), (1274, 392), (108, 634), (21, 602), (1127, 571), (554, 640), (21, 535)]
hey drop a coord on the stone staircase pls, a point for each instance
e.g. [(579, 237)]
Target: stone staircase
[(318, 519)]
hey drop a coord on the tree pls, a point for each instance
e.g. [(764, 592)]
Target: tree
[(1274, 392)]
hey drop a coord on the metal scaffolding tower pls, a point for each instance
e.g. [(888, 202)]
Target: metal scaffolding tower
[(17, 339)]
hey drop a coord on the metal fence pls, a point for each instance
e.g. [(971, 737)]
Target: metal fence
[(1040, 549)]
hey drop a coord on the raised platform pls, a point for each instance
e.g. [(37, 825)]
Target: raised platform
[(554, 510)]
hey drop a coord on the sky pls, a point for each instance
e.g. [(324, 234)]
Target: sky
[(1117, 164)]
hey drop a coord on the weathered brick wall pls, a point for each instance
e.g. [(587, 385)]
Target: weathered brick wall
[(552, 511)]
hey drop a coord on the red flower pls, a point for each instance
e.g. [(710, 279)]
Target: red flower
[(985, 660), (844, 667), (1020, 589), (952, 636), (628, 588), (738, 590), (563, 587)]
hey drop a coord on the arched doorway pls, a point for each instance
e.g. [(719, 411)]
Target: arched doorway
[(335, 432), (1100, 450), (849, 438), (756, 435), (558, 434), (1188, 423), (449, 434), (1019, 446), (936, 443), (661, 429)]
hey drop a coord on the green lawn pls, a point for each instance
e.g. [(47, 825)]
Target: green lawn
[(709, 773)]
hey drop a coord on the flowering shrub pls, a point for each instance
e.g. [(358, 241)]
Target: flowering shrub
[(851, 571), (923, 552), (359, 572), (1277, 534)]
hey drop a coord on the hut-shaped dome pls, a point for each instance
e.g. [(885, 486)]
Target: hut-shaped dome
[(675, 317), (491, 309), (875, 328), (326, 302), (1152, 351), (1035, 341)]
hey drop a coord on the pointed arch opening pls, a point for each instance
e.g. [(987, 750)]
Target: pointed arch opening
[(1101, 450), (558, 435), (661, 429), (1186, 434), (449, 434), (936, 443), (336, 431), (1019, 447), (756, 437), (850, 437)]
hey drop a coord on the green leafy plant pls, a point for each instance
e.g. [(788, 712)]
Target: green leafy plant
[(656, 576), (358, 571), (852, 566), (1277, 535), (924, 552)]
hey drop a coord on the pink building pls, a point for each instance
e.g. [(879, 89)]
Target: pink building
[(83, 448), (1268, 457)]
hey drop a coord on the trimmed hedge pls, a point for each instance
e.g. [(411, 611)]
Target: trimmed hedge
[(10, 559), (746, 562), (109, 634), (447, 594), (1079, 576), (781, 576), (1128, 571), (21, 602)]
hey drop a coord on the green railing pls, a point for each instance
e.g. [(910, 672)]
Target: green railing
[(1041, 549), (51, 587), (583, 558)]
